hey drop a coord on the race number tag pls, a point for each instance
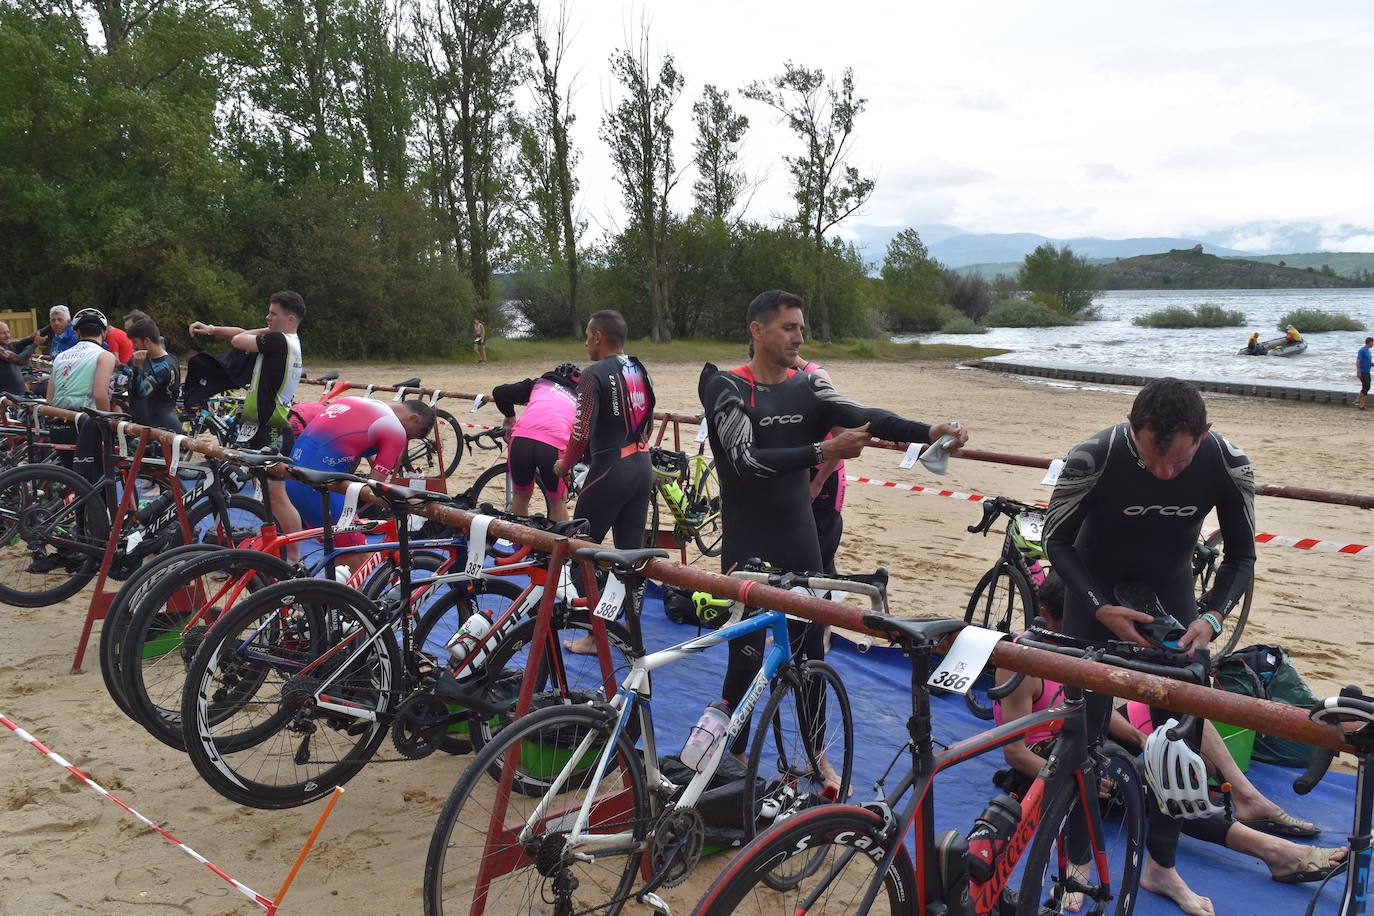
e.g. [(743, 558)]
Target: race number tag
[(608, 608), (702, 431), (1052, 474), (966, 659), (1031, 525), (477, 545), (175, 459), (477, 402), (349, 514), (247, 431), (123, 443), (913, 451)]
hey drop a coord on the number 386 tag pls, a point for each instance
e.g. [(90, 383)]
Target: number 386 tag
[(966, 659)]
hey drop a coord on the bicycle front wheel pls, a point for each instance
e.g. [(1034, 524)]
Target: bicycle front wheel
[(707, 529), (53, 530), (1003, 598), (1235, 621), (802, 756), (841, 845), (496, 850), (290, 694), (1061, 867)]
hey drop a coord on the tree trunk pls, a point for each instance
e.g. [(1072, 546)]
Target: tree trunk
[(818, 288)]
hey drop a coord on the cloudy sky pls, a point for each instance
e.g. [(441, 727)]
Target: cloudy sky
[(1062, 118)]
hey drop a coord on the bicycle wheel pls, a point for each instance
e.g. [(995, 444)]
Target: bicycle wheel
[(841, 843), (651, 528), (290, 694), (705, 505), (171, 622), (53, 530), (1003, 599), (1235, 621), (492, 486), (805, 728), (243, 517), (120, 614), (448, 437), (1049, 861), (494, 850)]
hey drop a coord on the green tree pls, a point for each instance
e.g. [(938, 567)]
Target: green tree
[(1062, 273), (912, 288), (720, 133), (826, 187)]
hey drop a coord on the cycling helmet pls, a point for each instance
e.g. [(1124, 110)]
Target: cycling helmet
[(86, 314), (570, 371), (1177, 776)]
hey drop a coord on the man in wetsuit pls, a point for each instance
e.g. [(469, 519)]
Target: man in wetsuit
[(539, 436), (615, 411), (155, 382), (1128, 509), (276, 373), (767, 424)]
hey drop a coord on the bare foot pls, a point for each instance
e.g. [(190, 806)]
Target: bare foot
[(829, 775), (1073, 901), (1166, 882), (1312, 863), (583, 645)]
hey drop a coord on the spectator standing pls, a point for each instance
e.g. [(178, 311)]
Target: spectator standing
[(479, 339), (1362, 363)]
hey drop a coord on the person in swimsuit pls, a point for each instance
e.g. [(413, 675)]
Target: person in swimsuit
[(479, 340), (155, 382), (539, 436)]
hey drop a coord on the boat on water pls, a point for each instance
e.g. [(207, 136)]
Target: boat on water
[(1279, 346)]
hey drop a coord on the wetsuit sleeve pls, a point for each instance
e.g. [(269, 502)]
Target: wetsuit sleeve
[(507, 396), (884, 424), (725, 409), (1069, 506), (588, 395), (389, 438), (1236, 512)]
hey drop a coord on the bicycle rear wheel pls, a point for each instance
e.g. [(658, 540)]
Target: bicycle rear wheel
[(448, 437), (290, 694), (1003, 599), (491, 853), (841, 845), (53, 530), (709, 532), (805, 728), (1235, 621), (492, 486), (1045, 887)]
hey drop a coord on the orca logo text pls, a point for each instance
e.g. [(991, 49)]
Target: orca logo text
[(1180, 511), (781, 418)]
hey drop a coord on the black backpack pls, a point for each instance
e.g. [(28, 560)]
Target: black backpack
[(1267, 672)]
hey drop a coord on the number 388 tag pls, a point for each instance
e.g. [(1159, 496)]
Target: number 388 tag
[(608, 608), (966, 659)]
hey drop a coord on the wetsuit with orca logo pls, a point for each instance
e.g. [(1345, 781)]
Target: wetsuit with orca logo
[(764, 440)]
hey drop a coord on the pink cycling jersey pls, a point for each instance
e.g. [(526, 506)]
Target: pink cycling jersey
[(300, 416), (549, 416), (346, 430)]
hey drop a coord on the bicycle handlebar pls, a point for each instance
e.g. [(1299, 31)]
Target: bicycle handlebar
[(497, 435), (1192, 671), (999, 505), (876, 590), (1351, 705)]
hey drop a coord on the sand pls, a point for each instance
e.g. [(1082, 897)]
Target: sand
[(64, 850)]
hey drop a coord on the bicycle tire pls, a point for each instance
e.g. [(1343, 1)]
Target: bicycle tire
[(39, 496), (492, 486), (256, 517), (1240, 614), (651, 529), (709, 536), (831, 833), (790, 779), (122, 606), (1003, 599), (162, 639), (457, 848), (1048, 856), (448, 437), (246, 711)]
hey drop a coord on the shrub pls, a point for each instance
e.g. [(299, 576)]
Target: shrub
[(1206, 315), (961, 324), (1022, 313), (1311, 321), (866, 349)]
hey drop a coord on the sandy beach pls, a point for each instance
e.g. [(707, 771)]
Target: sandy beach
[(64, 850)]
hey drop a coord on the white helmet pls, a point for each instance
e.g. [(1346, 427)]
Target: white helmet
[(1177, 776)]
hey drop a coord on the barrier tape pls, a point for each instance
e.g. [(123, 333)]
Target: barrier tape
[(52, 755), (1277, 540)]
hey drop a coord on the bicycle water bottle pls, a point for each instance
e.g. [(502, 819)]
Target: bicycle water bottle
[(466, 640), (673, 493), (990, 834), (708, 731)]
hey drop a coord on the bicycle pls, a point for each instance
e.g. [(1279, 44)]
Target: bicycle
[(688, 486), (1007, 594), (851, 858), (605, 811), (1351, 706)]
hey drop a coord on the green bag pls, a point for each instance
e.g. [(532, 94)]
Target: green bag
[(1267, 672)]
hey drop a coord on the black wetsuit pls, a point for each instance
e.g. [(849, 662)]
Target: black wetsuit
[(153, 391), (615, 411), (763, 438), (1111, 521)]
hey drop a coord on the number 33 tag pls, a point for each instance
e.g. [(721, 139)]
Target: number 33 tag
[(966, 659)]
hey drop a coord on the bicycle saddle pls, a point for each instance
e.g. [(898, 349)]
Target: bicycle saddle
[(262, 459), (408, 383), (314, 478), (1164, 631), (624, 560), (571, 528), (112, 415), (397, 493), (907, 631), (328, 377)]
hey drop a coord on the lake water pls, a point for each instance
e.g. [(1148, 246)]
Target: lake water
[(1209, 353)]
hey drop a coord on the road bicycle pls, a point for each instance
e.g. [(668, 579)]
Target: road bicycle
[(293, 691), (23, 435), (1006, 595), (607, 812), (856, 858), (689, 487), (1351, 707)]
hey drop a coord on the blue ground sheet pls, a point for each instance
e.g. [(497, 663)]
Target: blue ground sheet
[(879, 681)]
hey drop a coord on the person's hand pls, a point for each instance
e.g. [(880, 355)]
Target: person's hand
[(508, 422), (848, 443), (200, 327), (139, 357), (560, 469), (960, 435), (1122, 620), (1198, 636)]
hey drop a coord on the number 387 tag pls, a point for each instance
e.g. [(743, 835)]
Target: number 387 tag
[(966, 659)]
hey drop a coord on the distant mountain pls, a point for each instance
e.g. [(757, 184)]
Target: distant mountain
[(1345, 263), (984, 248), (1194, 269)]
